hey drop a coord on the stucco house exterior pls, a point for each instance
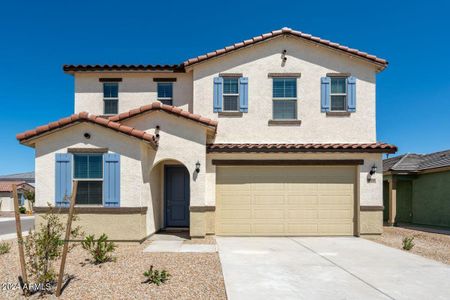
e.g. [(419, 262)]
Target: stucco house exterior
[(417, 189), (275, 135)]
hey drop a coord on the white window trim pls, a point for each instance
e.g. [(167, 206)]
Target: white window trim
[(229, 94), (90, 179), (164, 98), (110, 98), (284, 99), (339, 94)]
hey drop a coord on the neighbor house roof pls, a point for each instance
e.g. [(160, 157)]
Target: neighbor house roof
[(86, 117), (413, 163), (7, 186), (157, 106), (27, 177), (252, 41), (310, 147)]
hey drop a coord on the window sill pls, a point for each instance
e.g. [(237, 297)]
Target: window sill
[(338, 113), (230, 114), (284, 122)]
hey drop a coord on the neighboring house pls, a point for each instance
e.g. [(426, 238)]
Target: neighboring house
[(7, 198), (417, 189), (27, 177), (274, 135)]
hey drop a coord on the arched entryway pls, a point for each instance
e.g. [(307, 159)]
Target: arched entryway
[(170, 194)]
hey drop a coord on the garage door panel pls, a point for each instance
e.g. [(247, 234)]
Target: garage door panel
[(302, 199), (271, 213), (259, 199), (285, 200)]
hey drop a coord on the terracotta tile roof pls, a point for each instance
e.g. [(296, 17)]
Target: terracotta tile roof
[(289, 148), (6, 186), (93, 68), (251, 41), (288, 31), (86, 117), (166, 108)]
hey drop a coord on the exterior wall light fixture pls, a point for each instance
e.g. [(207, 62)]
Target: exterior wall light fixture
[(197, 167)]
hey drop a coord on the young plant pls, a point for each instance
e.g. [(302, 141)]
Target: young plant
[(155, 276), (44, 246), (100, 249), (408, 243), (22, 210), (4, 247)]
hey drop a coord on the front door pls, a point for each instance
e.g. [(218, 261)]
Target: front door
[(176, 196)]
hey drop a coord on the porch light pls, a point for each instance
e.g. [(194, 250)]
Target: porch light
[(373, 170), (197, 167)]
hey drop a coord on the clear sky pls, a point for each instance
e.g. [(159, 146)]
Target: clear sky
[(38, 37)]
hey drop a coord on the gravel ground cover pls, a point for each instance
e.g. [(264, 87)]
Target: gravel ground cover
[(193, 275), (431, 245)]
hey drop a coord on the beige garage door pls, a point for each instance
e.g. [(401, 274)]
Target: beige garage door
[(285, 200)]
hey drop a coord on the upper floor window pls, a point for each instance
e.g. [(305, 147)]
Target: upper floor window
[(110, 98), (88, 170), (284, 98), (338, 94), (230, 94), (165, 92)]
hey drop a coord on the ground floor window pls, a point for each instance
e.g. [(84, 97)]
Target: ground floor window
[(88, 170)]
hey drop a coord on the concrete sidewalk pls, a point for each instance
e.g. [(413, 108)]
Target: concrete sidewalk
[(327, 268)]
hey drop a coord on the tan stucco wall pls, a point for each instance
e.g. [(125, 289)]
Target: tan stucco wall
[(116, 226), (371, 222), (313, 62), (7, 202), (135, 89), (202, 223)]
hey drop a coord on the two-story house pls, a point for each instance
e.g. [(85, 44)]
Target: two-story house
[(274, 135)]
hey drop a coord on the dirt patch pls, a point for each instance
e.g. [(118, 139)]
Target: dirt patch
[(194, 275), (431, 245)]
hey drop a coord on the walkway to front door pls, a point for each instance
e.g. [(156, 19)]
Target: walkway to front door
[(176, 196), (327, 268)]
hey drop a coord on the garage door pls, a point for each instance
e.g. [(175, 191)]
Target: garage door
[(284, 200)]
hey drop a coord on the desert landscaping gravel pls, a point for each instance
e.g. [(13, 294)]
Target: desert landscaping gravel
[(193, 275), (431, 245)]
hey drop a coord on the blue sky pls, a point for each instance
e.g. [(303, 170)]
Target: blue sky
[(38, 37)]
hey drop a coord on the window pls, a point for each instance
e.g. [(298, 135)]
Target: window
[(285, 98), (111, 98), (230, 94), (165, 92), (338, 94), (88, 170)]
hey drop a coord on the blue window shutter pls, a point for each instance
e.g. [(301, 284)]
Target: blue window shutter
[(351, 94), (218, 86), (243, 94), (111, 180), (325, 91), (63, 179)]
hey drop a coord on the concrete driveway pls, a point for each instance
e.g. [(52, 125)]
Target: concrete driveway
[(327, 268)]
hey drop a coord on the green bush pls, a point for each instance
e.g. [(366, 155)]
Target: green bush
[(100, 250), (22, 210), (155, 276), (4, 247), (43, 248), (408, 243)]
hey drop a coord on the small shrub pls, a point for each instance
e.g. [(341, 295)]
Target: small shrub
[(22, 210), (4, 248), (43, 248), (408, 243), (155, 276), (100, 249)]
